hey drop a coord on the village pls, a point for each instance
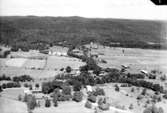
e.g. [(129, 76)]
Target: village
[(90, 78)]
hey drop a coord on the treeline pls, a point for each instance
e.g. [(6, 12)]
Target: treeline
[(10, 85), (22, 78), (114, 76), (41, 32), (4, 77)]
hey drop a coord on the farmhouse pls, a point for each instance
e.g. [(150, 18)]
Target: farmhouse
[(58, 50), (144, 72)]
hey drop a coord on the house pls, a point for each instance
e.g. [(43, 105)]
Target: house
[(58, 50), (89, 88), (144, 72)]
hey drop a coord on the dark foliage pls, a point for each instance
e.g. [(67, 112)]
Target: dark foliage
[(22, 78), (10, 85), (68, 69), (33, 32), (1, 88), (4, 77), (92, 98), (47, 103), (88, 105), (48, 87), (98, 91), (66, 90), (31, 102), (77, 96)]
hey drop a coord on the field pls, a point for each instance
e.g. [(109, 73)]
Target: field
[(30, 64), (50, 65), (136, 59), (12, 106), (125, 97)]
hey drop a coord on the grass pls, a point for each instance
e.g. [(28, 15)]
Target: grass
[(137, 59), (12, 106)]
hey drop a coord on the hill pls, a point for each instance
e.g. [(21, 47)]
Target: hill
[(38, 32)]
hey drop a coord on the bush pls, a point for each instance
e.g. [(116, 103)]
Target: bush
[(68, 69), (77, 86), (1, 89), (92, 98), (37, 85), (104, 107), (153, 109), (131, 106), (144, 91), (63, 97), (88, 104), (11, 85), (66, 90), (47, 103), (117, 88), (165, 96), (4, 77), (19, 97), (4, 86), (132, 90), (77, 96), (98, 91), (55, 99), (31, 102), (22, 78), (26, 85)]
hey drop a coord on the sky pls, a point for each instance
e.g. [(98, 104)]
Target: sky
[(128, 9)]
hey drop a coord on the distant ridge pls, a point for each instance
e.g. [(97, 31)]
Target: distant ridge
[(33, 31)]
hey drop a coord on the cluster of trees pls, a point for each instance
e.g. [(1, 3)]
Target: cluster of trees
[(48, 87), (30, 101), (114, 75), (10, 85), (22, 78), (153, 109), (4, 77)]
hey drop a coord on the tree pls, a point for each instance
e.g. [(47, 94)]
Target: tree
[(1, 89), (77, 85), (25, 98), (92, 98), (117, 88), (88, 104), (161, 110), (47, 103), (55, 99), (165, 95), (104, 106), (19, 97), (31, 102), (144, 91), (37, 85), (153, 109), (68, 69), (66, 90), (77, 96), (98, 91), (131, 106)]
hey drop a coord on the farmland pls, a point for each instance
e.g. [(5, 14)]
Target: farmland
[(136, 59), (71, 65), (36, 64)]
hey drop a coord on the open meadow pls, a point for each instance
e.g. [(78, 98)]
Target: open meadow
[(136, 59), (35, 67)]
